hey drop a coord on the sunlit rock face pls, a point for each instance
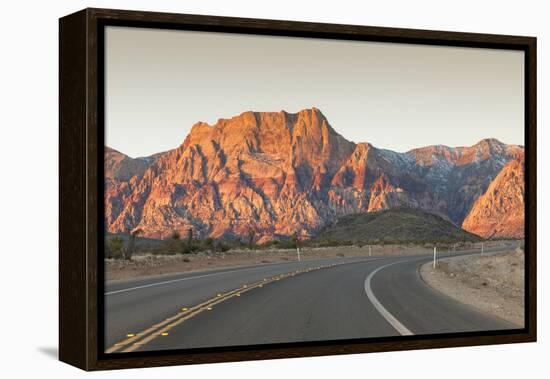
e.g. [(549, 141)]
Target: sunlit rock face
[(273, 174), (500, 211)]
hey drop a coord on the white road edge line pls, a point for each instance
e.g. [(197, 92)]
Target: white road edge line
[(190, 278), (401, 329), (162, 283)]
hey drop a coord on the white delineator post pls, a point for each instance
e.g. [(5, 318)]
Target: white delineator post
[(435, 255), (482, 248), (370, 251), (298, 250)]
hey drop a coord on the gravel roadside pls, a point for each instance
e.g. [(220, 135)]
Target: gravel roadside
[(492, 283)]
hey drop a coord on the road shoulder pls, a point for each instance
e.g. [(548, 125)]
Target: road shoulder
[(493, 283)]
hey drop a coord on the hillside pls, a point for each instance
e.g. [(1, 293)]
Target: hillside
[(397, 225)]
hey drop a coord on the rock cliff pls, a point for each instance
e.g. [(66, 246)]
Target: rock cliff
[(274, 174)]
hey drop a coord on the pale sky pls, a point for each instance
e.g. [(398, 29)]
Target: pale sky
[(395, 96)]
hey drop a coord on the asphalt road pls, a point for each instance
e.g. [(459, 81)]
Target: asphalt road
[(312, 300)]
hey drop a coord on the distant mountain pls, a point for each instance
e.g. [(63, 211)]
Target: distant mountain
[(397, 225), (461, 174), (274, 174), (121, 167), (500, 211), (121, 174)]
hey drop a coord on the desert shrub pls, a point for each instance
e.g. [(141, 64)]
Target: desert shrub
[(284, 244), (389, 241), (190, 247), (251, 236), (209, 243), (115, 247), (328, 243), (129, 251), (269, 244), (223, 247)]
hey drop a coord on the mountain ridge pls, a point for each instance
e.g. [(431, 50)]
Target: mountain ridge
[(274, 174)]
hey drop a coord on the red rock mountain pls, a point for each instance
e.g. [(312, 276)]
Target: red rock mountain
[(279, 173), (500, 211), (121, 167)]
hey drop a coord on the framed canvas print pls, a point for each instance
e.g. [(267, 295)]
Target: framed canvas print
[(237, 189)]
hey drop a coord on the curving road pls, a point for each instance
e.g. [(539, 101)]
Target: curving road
[(312, 300)]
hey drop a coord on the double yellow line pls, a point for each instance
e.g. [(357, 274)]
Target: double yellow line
[(136, 341)]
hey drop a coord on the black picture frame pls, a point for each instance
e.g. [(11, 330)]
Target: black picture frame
[(81, 110)]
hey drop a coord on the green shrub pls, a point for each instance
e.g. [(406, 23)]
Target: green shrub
[(115, 247), (209, 243)]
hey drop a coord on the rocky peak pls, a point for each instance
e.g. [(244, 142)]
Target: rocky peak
[(280, 173), (500, 211), (303, 140), (119, 166), (433, 155), (483, 150)]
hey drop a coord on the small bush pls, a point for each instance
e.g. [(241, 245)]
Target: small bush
[(209, 243), (189, 248), (115, 247), (223, 247)]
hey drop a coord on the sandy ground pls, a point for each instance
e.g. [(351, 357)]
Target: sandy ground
[(493, 283), (151, 265)]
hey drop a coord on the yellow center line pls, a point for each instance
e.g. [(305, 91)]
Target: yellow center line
[(153, 328), (139, 339), (152, 336)]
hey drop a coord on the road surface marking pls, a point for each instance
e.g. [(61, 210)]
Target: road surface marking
[(193, 277), (163, 283), (151, 333), (155, 327), (383, 311), (401, 329), (214, 301)]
